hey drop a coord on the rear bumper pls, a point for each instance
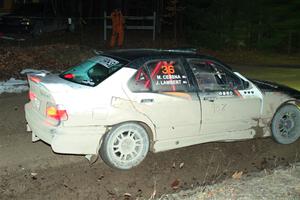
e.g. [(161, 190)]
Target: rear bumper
[(67, 140)]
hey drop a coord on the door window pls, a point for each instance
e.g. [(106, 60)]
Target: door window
[(211, 76), (160, 76)]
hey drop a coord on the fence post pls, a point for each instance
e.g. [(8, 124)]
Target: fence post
[(154, 25), (104, 19)]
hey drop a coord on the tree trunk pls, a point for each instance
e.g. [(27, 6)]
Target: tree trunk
[(91, 8), (175, 22), (259, 34), (54, 6), (290, 37)]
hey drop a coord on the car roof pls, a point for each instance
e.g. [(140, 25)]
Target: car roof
[(134, 54)]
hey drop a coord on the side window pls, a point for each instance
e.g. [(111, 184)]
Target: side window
[(160, 76), (225, 78), (140, 81), (211, 76), (167, 76)]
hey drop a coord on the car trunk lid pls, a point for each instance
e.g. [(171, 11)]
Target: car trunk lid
[(42, 91)]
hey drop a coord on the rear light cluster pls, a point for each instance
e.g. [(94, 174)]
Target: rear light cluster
[(69, 76), (31, 96), (34, 79), (56, 112)]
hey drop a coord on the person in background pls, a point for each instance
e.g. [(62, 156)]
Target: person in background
[(117, 28)]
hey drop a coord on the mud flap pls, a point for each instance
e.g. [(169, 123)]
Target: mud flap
[(92, 158), (28, 129), (34, 138)]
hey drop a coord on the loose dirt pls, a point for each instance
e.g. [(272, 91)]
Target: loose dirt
[(32, 171)]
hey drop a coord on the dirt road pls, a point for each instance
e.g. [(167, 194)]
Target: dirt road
[(32, 171)]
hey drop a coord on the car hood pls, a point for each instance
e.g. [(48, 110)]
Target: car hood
[(268, 86)]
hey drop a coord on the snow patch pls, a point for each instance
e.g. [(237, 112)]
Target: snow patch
[(13, 86), (17, 86), (35, 71)]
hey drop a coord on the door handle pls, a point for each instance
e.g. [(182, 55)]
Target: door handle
[(147, 100), (210, 99)]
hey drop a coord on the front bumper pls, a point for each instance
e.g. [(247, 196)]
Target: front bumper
[(21, 29), (67, 140)]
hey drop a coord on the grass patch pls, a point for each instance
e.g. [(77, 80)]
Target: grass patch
[(276, 67), (259, 58), (245, 57), (286, 76)]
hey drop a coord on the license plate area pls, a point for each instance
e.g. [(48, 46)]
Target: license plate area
[(37, 103)]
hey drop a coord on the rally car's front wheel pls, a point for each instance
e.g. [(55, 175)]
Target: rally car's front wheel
[(125, 146), (286, 124)]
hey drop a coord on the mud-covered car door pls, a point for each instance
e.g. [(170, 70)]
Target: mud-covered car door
[(162, 91), (224, 108)]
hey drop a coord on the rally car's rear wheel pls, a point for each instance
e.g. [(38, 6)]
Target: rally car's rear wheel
[(125, 146), (286, 124)]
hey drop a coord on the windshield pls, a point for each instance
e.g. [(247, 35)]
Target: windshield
[(93, 71)]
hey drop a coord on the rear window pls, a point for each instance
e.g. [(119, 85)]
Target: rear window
[(93, 71)]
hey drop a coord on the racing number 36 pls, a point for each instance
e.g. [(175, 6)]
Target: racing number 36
[(168, 69)]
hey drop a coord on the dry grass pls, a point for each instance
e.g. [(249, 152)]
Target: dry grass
[(280, 183)]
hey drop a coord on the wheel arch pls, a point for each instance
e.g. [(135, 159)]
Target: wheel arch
[(150, 133), (107, 151), (150, 129), (293, 102)]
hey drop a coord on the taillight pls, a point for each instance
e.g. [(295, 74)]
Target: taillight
[(31, 96), (56, 112), (69, 76), (34, 79)]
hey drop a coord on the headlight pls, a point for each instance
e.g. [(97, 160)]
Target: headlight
[(25, 21)]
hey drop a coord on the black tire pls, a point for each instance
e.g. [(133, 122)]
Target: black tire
[(286, 124), (125, 146)]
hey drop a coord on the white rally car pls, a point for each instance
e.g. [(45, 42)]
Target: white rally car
[(123, 103)]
